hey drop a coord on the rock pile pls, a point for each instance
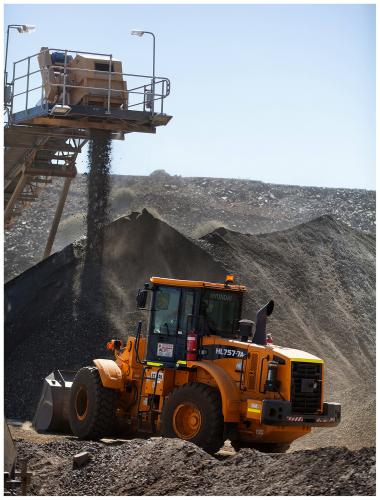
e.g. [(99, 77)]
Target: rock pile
[(195, 206), (172, 467)]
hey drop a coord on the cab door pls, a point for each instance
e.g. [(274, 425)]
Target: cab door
[(167, 334), (186, 320)]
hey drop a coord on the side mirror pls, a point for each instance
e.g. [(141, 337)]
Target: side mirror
[(141, 298)]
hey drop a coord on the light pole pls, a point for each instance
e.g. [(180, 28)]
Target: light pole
[(21, 28), (141, 33)]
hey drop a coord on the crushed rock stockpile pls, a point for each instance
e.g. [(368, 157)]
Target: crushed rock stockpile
[(193, 205), (160, 466), (61, 312), (321, 275)]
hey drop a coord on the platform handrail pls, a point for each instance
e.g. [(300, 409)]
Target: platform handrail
[(159, 80), (63, 50), (155, 89)]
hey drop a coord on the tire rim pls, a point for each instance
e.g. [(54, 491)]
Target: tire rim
[(81, 403), (187, 421)]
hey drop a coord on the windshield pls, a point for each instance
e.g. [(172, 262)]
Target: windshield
[(220, 311)]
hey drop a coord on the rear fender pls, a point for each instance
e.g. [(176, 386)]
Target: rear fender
[(228, 391), (110, 373)]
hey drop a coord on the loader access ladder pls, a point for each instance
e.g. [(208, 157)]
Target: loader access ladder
[(152, 411)]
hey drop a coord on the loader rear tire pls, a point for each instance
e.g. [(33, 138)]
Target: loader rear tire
[(92, 407), (193, 412)]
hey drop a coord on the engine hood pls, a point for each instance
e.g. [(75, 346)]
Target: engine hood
[(295, 354)]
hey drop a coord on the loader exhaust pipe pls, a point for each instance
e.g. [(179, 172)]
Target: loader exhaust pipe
[(260, 336)]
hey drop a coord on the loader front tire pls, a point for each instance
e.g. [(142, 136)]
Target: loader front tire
[(92, 406), (193, 412)]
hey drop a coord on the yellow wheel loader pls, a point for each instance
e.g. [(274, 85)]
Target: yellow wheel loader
[(199, 373)]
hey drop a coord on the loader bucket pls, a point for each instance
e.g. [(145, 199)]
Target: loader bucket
[(52, 414), (9, 452)]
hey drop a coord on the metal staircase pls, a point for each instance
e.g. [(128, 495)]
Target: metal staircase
[(31, 159)]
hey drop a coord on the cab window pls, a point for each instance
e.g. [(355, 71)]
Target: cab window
[(220, 311), (165, 313), (186, 320)]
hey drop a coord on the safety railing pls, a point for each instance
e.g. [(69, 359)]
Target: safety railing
[(29, 82)]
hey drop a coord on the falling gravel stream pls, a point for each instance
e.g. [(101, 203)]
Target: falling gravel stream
[(99, 158)]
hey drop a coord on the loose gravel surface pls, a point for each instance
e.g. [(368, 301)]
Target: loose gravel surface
[(160, 466)]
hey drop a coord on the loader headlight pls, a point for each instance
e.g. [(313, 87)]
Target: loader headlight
[(271, 383)]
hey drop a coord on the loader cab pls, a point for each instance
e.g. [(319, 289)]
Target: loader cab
[(180, 306)]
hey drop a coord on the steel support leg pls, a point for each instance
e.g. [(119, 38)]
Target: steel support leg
[(12, 200), (57, 217)]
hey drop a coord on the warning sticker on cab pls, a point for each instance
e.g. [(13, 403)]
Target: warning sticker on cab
[(254, 409), (165, 350)]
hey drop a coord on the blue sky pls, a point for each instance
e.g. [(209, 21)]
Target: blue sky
[(277, 93)]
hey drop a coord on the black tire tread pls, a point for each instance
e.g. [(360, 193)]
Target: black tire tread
[(103, 416), (213, 441)]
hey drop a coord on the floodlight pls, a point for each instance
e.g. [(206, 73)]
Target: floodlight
[(26, 28), (60, 109)]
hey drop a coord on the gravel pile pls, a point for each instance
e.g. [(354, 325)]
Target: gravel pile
[(193, 205), (172, 467)]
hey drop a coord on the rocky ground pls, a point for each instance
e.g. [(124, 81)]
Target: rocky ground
[(159, 466), (195, 206)]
